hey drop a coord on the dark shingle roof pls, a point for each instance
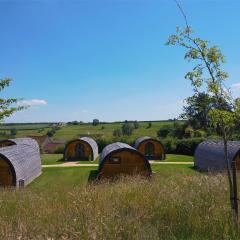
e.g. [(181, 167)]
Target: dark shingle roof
[(25, 161), (209, 155), (140, 140), (25, 141), (93, 145), (118, 146)]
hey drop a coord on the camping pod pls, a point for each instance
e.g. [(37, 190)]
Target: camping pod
[(19, 165), (209, 155), (120, 158), (84, 148), (20, 141), (151, 148)]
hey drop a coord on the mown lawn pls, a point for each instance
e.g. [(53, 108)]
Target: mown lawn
[(52, 159), (49, 159), (178, 158)]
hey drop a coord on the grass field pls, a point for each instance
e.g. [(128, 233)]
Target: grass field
[(176, 203)]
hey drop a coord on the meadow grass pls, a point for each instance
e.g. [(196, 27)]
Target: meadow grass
[(176, 203), (178, 158)]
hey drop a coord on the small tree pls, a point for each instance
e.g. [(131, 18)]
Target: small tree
[(208, 77), (136, 124), (127, 129), (6, 105), (117, 132), (13, 132), (149, 125), (95, 122)]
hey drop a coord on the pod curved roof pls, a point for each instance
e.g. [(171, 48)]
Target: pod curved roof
[(119, 146), (90, 141), (23, 141), (209, 155), (24, 160)]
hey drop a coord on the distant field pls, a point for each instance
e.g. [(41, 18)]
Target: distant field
[(69, 132)]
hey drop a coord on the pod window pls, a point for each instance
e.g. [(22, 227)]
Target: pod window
[(115, 160)]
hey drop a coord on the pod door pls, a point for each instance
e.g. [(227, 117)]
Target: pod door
[(6, 174)]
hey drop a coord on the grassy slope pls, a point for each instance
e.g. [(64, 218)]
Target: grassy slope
[(69, 132), (177, 203), (73, 131)]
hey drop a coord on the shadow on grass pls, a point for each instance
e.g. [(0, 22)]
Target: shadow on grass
[(93, 176), (61, 160)]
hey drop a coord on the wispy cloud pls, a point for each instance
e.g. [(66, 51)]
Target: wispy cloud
[(32, 102), (235, 86)]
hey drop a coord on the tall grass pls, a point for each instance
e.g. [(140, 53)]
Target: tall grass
[(172, 207)]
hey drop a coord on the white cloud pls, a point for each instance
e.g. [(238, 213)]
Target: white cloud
[(32, 102), (235, 86)]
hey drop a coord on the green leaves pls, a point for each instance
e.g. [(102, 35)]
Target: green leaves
[(6, 108)]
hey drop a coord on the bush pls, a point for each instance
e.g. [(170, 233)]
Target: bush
[(127, 129), (188, 146), (13, 132), (136, 124), (185, 146), (117, 132), (164, 131), (95, 122), (59, 150)]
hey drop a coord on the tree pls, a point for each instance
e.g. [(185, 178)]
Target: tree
[(127, 129), (13, 132), (196, 110), (208, 77), (164, 131), (6, 105), (149, 125), (95, 122), (136, 124)]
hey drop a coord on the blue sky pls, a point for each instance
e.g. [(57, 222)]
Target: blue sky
[(107, 59)]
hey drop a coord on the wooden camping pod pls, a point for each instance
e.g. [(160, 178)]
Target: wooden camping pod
[(19, 165), (120, 158), (151, 148), (84, 148), (209, 155)]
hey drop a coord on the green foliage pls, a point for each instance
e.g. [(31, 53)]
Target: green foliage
[(196, 110), (149, 125), (127, 129), (165, 131), (185, 146), (95, 122), (6, 105), (136, 124), (117, 132), (13, 132)]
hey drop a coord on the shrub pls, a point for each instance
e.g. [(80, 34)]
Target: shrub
[(95, 122), (59, 150), (13, 132), (188, 146), (136, 124), (164, 131), (127, 129), (117, 132)]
